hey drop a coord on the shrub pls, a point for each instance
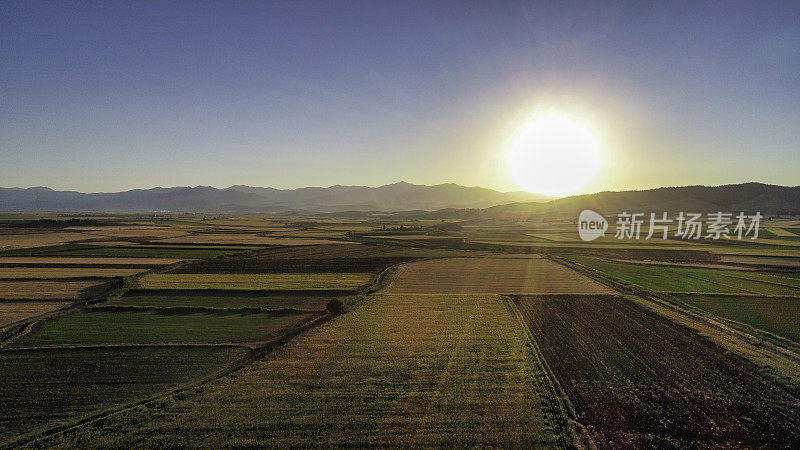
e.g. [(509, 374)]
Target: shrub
[(335, 306)]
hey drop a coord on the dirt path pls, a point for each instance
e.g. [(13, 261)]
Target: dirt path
[(637, 379)]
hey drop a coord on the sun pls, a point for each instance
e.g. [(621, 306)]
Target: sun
[(554, 155)]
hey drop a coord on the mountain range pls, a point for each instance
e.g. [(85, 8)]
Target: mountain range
[(400, 196), (411, 200), (733, 198)]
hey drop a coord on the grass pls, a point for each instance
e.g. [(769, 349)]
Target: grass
[(693, 280), (108, 326), (271, 281), (45, 388), (775, 315), (434, 370), (308, 301)]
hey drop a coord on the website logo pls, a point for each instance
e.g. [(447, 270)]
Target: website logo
[(591, 225)]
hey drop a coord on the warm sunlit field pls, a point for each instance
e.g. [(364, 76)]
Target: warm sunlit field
[(397, 371), (490, 275), (438, 352)]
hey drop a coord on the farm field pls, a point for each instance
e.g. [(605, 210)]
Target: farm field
[(762, 260), (490, 275), (244, 239), (270, 281), (426, 370), (438, 351), (28, 240), (782, 252), (150, 252), (777, 315), (638, 380), (555, 237), (694, 280), (684, 264), (335, 258), (16, 310), (40, 389), (265, 300), (782, 232), (36, 261), (65, 272), (411, 237), (64, 289), (150, 326)]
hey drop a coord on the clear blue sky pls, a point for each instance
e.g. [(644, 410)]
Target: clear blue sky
[(106, 96)]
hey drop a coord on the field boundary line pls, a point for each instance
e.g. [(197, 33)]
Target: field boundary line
[(102, 346), (193, 388), (743, 331), (578, 433), (695, 320)]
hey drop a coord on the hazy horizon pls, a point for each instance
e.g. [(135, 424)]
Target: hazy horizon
[(553, 197)]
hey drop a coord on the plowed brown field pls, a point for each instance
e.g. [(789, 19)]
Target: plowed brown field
[(638, 380)]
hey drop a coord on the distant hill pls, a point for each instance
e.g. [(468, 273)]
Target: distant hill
[(247, 199), (747, 197)]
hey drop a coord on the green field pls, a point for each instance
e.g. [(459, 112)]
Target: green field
[(108, 326), (778, 316), (308, 301), (259, 281), (420, 370), (694, 280), (44, 388)]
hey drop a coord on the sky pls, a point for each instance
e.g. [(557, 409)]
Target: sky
[(115, 95)]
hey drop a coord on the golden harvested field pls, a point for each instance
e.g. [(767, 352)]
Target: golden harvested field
[(52, 289), (258, 281), (490, 275), (243, 239), (29, 240), (140, 232), (13, 311), (83, 261), (65, 272), (398, 371)]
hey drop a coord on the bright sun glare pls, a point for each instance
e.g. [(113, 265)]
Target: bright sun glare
[(554, 155)]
